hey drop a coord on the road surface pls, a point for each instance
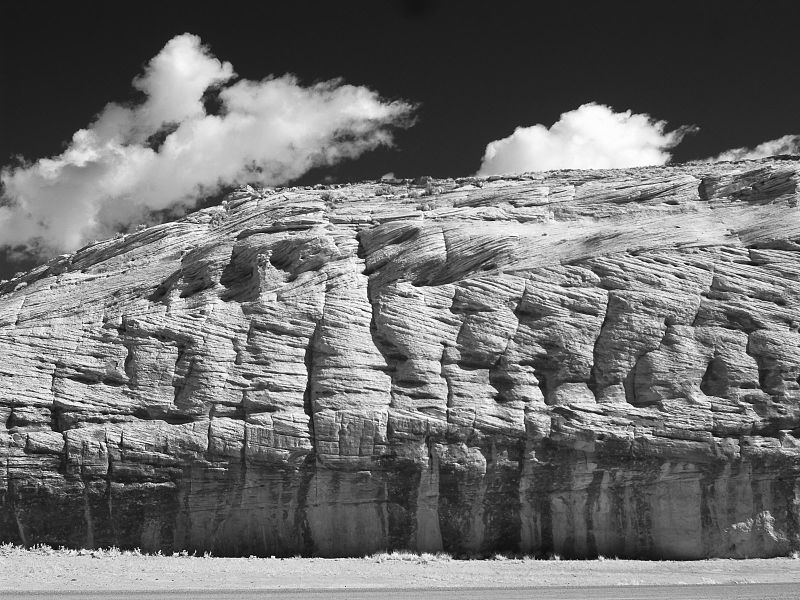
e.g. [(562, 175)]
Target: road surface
[(759, 591)]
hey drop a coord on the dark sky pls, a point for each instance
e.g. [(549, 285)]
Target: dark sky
[(477, 69)]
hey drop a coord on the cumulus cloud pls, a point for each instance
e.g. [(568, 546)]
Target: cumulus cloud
[(168, 151), (592, 136), (788, 144)]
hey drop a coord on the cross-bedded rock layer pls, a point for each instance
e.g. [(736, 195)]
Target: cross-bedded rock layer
[(597, 362)]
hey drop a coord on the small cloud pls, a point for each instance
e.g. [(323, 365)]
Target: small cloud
[(592, 136), (788, 144), (166, 152)]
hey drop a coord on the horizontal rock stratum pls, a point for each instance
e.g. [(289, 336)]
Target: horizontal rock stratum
[(579, 362)]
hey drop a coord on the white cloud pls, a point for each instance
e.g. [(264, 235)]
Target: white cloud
[(113, 173), (788, 144), (592, 136)]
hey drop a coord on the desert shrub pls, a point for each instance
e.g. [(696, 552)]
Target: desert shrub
[(500, 556), (407, 556), (330, 199), (384, 190)]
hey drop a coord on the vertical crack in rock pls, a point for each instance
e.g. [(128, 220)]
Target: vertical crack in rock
[(709, 477), (129, 365), (594, 384), (10, 500), (20, 527), (392, 356), (702, 296), (209, 435), (109, 478), (309, 467), (87, 509), (593, 494), (56, 412), (629, 383), (499, 377), (446, 377), (180, 374), (308, 361)]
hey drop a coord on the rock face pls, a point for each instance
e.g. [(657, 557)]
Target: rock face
[(598, 362)]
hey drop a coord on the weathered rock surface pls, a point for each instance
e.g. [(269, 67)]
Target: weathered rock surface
[(576, 362)]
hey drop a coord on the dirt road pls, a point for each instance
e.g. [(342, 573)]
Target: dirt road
[(764, 591), (28, 574)]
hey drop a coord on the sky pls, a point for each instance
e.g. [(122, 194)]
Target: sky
[(112, 117)]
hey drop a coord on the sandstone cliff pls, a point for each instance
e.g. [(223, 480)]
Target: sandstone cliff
[(598, 362)]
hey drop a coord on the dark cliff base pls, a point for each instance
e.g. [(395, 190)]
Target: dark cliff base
[(645, 509)]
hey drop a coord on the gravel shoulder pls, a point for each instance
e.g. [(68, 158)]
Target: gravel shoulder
[(22, 570)]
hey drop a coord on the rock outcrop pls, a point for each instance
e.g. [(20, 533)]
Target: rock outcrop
[(582, 362)]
